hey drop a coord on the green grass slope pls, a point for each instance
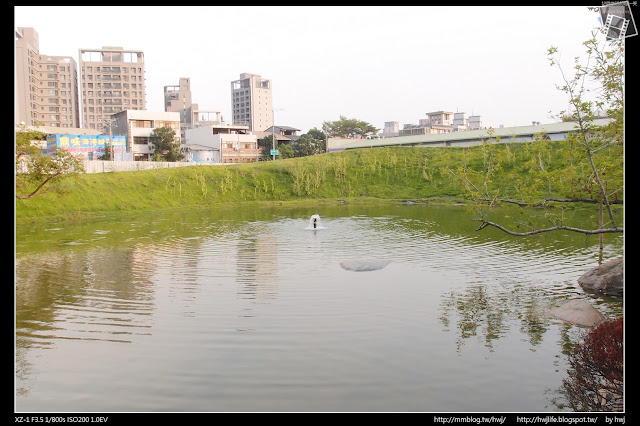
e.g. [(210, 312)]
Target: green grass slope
[(381, 173)]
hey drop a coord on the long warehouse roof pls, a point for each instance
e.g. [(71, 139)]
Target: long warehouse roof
[(470, 135)]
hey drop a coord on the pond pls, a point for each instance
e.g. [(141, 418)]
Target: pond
[(244, 309)]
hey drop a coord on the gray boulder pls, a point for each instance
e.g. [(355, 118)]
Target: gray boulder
[(578, 312), (606, 278), (364, 264)]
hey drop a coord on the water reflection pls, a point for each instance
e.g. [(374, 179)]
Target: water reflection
[(257, 267), (481, 312), (96, 292), (92, 295), (122, 299)]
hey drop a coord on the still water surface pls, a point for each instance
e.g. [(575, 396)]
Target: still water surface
[(246, 310)]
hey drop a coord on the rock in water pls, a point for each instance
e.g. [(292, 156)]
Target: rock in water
[(606, 278), (364, 264), (578, 312)]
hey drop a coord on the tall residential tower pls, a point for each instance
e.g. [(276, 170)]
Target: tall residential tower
[(251, 102), (177, 98), (45, 86), (111, 80)]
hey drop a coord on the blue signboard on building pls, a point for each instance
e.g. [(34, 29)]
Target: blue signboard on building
[(87, 143)]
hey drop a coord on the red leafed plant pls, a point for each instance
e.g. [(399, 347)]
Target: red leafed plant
[(596, 376)]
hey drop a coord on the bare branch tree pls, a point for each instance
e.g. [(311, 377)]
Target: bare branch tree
[(606, 67)]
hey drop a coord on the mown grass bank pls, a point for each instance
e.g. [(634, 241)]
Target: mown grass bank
[(380, 173)]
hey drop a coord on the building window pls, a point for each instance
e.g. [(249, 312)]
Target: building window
[(169, 124), (142, 123)]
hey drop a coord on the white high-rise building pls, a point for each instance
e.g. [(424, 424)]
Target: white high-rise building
[(475, 122), (459, 121), (251, 102)]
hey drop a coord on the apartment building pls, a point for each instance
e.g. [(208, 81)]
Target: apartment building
[(111, 80), (437, 122), (251, 102), (440, 122), (177, 98), (45, 86), (138, 125), (440, 118)]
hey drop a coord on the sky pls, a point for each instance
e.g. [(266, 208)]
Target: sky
[(371, 63)]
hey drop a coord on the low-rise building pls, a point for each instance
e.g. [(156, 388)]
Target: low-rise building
[(436, 123), (138, 125), (460, 122), (283, 134), (424, 129), (391, 129), (441, 118), (221, 144), (475, 122)]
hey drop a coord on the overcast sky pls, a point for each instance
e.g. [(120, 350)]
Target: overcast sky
[(372, 63)]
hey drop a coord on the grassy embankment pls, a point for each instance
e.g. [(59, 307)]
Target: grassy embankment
[(379, 173)]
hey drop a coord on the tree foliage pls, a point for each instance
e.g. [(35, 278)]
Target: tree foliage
[(320, 139), (307, 145), (285, 151), (265, 144), (310, 143), (596, 374), (166, 146), (593, 169), (24, 147), (36, 169), (348, 128)]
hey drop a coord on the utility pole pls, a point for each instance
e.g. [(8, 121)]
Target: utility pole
[(110, 138), (273, 131), (273, 134)]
